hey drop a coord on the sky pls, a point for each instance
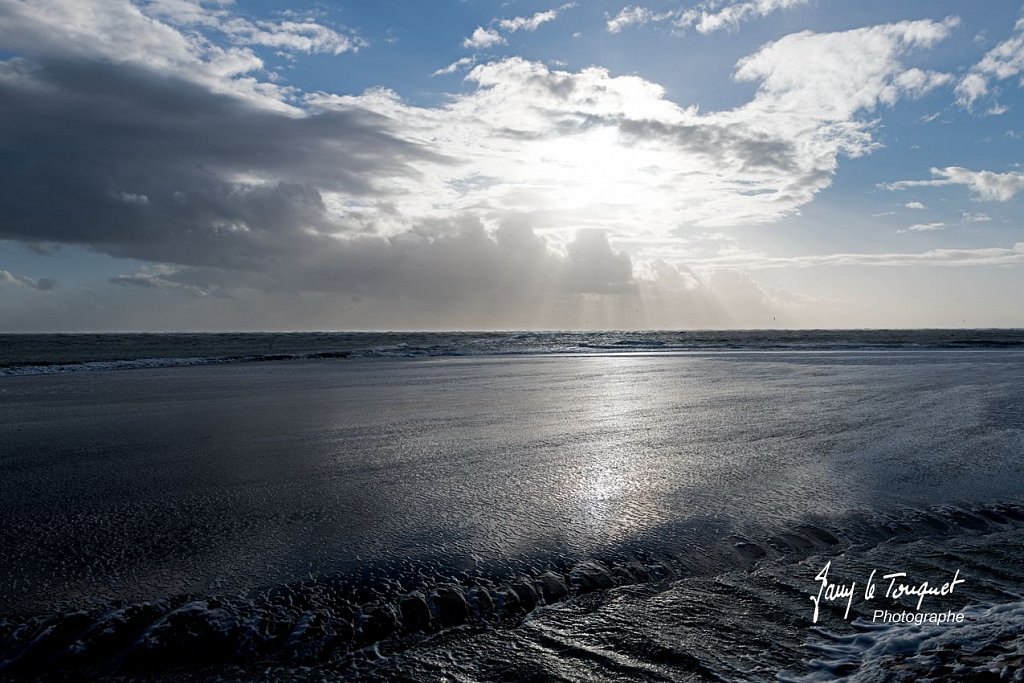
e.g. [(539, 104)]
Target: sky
[(471, 164)]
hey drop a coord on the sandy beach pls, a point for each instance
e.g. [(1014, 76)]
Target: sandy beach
[(526, 341), (384, 478)]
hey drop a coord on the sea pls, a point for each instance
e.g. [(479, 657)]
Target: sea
[(46, 353), (513, 506)]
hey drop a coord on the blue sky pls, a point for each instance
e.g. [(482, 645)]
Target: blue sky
[(178, 164)]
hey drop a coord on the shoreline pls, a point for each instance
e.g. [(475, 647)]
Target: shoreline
[(213, 494)]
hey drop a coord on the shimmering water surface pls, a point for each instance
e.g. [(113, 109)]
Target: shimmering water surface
[(475, 516)]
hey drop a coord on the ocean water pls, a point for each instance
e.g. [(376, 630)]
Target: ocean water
[(47, 353), (584, 511)]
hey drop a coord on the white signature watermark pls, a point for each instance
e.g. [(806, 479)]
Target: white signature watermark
[(897, 586)]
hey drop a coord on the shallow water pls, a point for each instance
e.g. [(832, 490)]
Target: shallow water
[(373, 518)]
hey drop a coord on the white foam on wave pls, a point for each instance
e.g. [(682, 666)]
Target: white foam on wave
[(988, 643)]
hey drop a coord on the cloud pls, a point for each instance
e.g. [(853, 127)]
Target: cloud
[(917, 82), (531, 23), (437, 267), (634, 16), (592, 265), (165, 277), (305, 36), (525, 187), (914, 205), (577, 150), (730, 16), (488, 37), (925, 227), (295, 34), (119, 32), (984, 185), (706, 17), (975, 217), (483, 38), (986, 256), (43, 284), (455, 66), (852, 70), (1004, 61), (970, 88)]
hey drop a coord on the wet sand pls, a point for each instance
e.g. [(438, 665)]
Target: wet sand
[(153, 484)]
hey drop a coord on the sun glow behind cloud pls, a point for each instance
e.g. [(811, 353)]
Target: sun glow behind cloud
[(588, 149), (531, 182)]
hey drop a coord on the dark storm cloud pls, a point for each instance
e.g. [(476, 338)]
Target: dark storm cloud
[(593, 266), (435, 264), (127, 136), (141, 164)]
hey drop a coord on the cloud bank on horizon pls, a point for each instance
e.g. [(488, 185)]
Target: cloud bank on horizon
[(190, 164)]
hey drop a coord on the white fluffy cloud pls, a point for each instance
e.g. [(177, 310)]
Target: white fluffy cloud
[(970, 88), (831, 76), (632, 15), (530, 23), (730, 16), (530, 183), (483, 38), (488, 37), (171, 37), (575, 150), (292, 36), (462, 63), (563, 151), (706, 17), (1004, 61), (984, 185)]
